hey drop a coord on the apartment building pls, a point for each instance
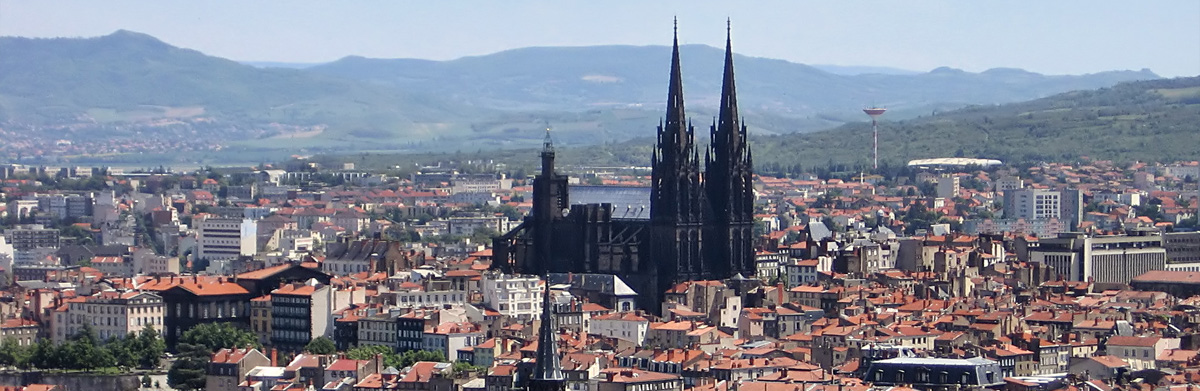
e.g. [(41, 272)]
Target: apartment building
[(219, 238)]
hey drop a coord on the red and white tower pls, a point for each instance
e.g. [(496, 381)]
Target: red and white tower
[(875, 112)]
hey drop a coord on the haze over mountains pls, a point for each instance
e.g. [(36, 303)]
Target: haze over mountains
[(127, 88)]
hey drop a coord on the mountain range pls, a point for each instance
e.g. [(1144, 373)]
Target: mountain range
[(127, 88)]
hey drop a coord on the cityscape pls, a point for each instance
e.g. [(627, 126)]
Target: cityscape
[(1040, 245)]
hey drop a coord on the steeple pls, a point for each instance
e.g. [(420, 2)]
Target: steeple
[(676, 119), (547, 155), (728, 119), (729, 181), (547, 373)]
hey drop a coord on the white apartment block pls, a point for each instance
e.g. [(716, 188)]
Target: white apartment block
[(627, 326), (110, 313), (421, 299), (1041, 204), (225, 238), (947, 186), (516, 297)]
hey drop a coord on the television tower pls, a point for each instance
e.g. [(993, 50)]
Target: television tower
[(875, 112)]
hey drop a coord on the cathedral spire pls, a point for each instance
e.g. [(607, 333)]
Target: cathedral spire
[(728, 119), (676, 119), (547, 373)]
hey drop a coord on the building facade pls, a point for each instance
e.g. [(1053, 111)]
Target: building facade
[(225, 238), (1102, 259)]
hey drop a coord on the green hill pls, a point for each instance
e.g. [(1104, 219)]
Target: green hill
[(1156, 120)]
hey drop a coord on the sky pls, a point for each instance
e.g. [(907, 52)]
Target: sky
[(1051, 37)]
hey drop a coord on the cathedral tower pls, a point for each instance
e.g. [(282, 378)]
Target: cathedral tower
[(676, 197), (729, 184)]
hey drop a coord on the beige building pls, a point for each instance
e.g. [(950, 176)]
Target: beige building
[(260, 318), (628, 379), (23, 331), (228, 368), (112, 314), (1139, 352)]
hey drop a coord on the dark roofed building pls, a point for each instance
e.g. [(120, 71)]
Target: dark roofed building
[(263, 281), (606, 289), (1177, 283), (925, 373)]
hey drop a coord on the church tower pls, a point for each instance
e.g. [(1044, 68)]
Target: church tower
[(729, 183), (676, 196), (547, 373), (550, 200)]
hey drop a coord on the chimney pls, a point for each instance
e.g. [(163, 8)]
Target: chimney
[(274, 356)]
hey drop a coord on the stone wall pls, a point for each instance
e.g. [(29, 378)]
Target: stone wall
[(73, 381)]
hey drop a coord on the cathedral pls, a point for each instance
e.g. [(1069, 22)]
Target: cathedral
[(688, 225)]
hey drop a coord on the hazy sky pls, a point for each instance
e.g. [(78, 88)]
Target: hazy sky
[(1055, 37)]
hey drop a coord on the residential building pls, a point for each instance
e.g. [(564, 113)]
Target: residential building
[(928, 373), (113, 314), (23, 332), (380, 329), (1139, 352), (260, 318), (194, 300), (27, 238), (947, 186), (219, 238), (300, 312), (626, 326), (228, 368), (1182, 247), (1039, 204), (513, 296), (630, 379), (449, 337)]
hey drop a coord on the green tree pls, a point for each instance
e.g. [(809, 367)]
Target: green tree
[(368, 352), (12, 353), (216, 336), (188, 371), (150, 346), (321, 345), (413, 356), (121, 350)]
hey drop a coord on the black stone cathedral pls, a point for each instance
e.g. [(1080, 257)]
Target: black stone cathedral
[(697, 225)]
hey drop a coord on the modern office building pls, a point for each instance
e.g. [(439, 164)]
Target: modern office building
[(1102, 259)]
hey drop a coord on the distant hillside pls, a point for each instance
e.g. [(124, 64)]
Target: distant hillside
[(1148, 121), (1157, 120), (595, 77), (130, 98), (103, 84)]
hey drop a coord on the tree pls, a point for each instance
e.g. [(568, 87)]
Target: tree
[(189, 370), (149, 347), (413, 356), (216, 336), (12, 353), (321, 345)]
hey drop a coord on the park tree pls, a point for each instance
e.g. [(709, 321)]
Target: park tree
[(321, 345), (188, 371), (196, 347), (216, 336)]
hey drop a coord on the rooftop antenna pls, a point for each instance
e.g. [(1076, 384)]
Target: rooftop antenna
[(875, 112)]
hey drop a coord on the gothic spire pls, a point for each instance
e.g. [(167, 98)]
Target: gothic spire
[(728, 120), (676, 120), (547, 374)]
